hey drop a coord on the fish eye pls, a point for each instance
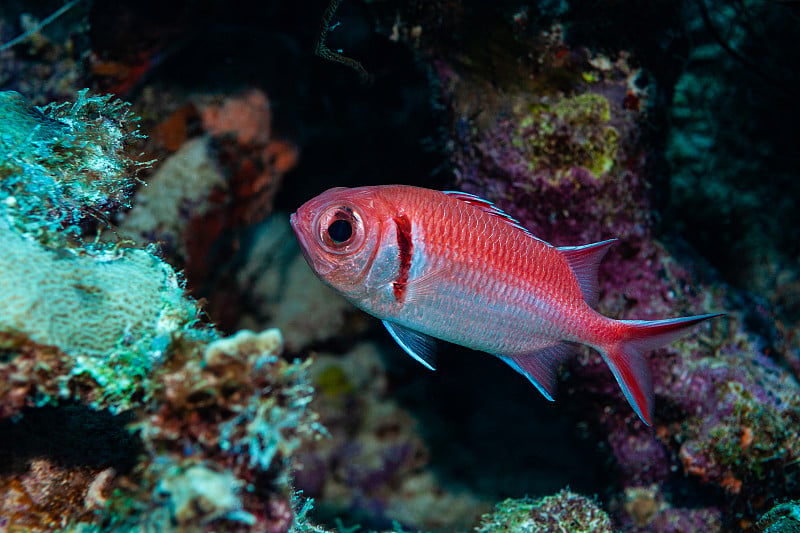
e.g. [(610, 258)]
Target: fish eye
[(340, 231)]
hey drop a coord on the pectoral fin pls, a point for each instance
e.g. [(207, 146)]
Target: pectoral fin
[(418, 345), (541, 366)]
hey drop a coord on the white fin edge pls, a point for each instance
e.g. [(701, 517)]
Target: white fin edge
[(418, 345)]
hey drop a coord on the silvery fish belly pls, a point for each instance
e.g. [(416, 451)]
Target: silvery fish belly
[(452, 266)]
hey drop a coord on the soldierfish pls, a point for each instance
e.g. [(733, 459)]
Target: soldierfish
[(450, 265)]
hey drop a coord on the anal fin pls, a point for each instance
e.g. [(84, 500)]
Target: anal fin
[(541, 366), (418, 345)]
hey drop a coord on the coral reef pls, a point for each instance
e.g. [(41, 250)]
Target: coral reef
[(783, 518), (220, 180), (110, 317), (649, 508), (48, 496), (234, 166), (66, 163), (182, 184), (277, 287), (658, 123), (744, 434), (561, 147), (98, 308), (221, 431), (565, 511), (111, 327), (372, 466), (572, 131)]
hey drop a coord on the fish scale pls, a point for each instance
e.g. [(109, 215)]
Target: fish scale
[(516, 250), (452, 266)]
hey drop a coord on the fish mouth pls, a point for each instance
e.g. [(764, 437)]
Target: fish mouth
[(293, 223), (298, 232)]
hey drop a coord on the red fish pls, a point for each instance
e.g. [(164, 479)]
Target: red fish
[(452, 266)]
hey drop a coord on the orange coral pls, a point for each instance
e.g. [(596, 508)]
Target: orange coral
[(247, 117), (174, 131), (746, 438), (731, 484)]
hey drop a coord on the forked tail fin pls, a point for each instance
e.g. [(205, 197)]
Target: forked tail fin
[(626, 357)]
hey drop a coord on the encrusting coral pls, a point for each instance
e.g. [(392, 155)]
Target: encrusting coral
[(375, 467), (221, 431), (562, 512), (783, 518), (111, 311)]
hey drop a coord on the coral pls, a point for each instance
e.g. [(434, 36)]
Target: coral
[(783, 518), (528, 112), (50, 494), (66, 163), (562, 149), (253, 159), (721, 418), (94, 310), (59, 463), (649, 509), (180, 497), (567, 163), (214, 187), (199, 494), (562, 512), (229, 419), (109, 313), (744, 430), (571, 131), (182, 184), (247, 118), (371, 470), (111, 327)]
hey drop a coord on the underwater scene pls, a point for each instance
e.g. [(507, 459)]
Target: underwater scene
[(399, 266)]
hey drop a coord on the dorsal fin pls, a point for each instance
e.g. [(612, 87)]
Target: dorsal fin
[(488, 207), (584, 262)]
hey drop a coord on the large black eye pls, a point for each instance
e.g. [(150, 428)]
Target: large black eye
[(340, 230)]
